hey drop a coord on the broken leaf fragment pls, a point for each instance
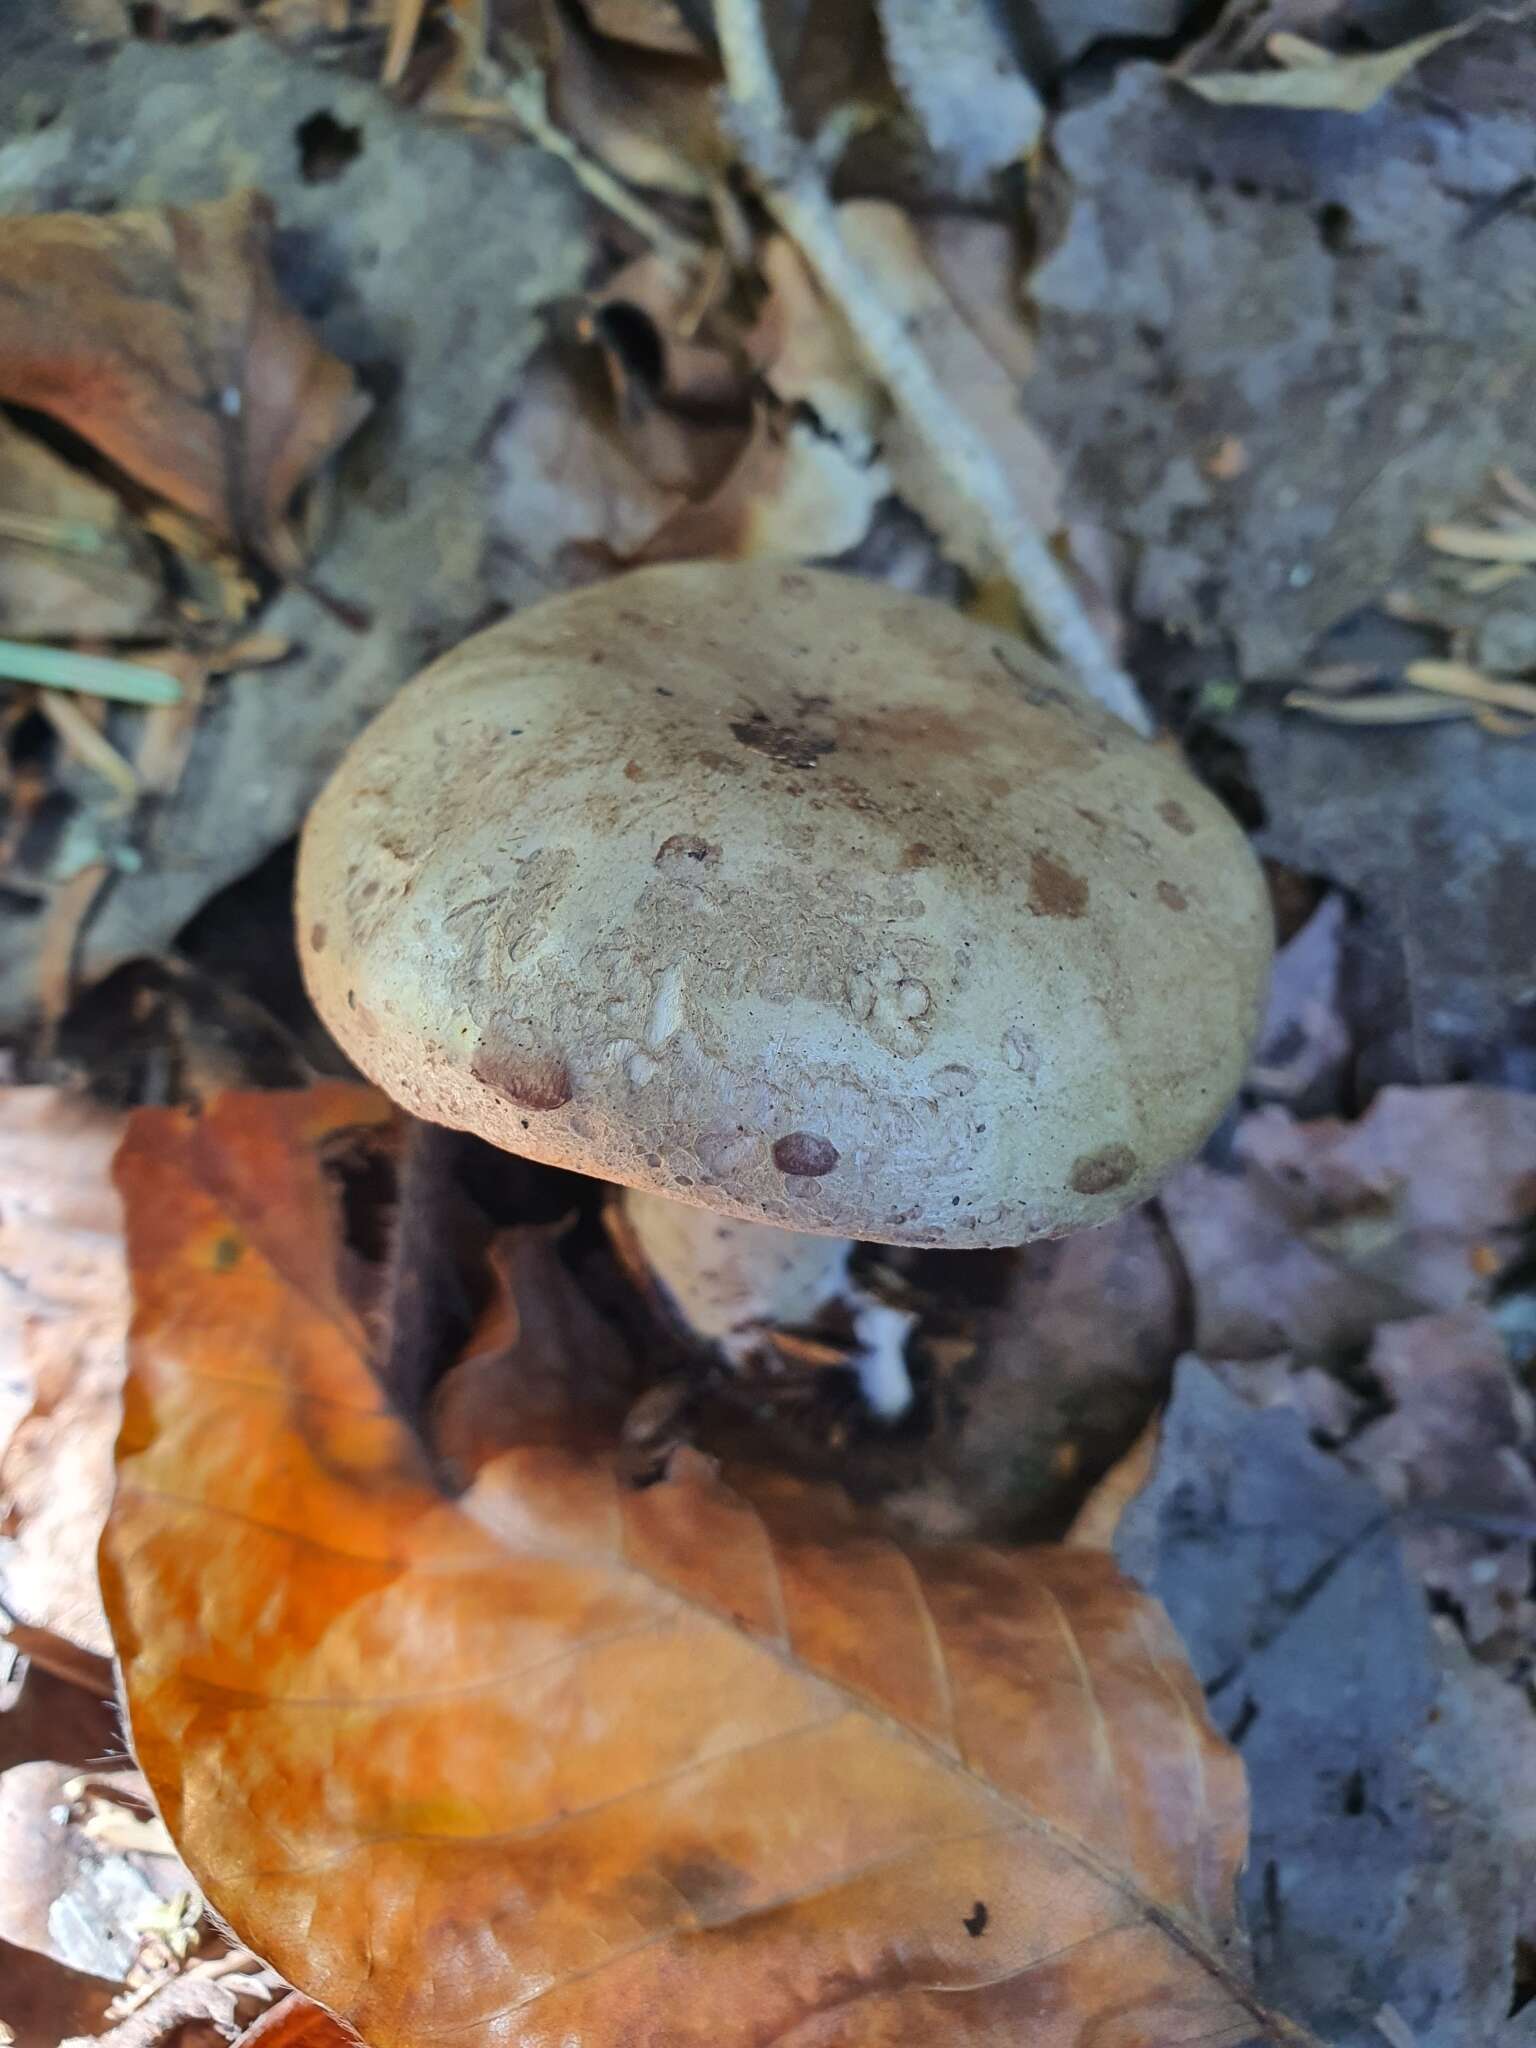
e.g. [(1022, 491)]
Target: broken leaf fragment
[(163, 340), (547, 1761), (63, 1328), (72, 564), (1315, 79)]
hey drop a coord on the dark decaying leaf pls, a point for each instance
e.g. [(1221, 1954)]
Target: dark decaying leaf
[(162, 339), (1325, 1228), (1391, 1776), (561, 1760)]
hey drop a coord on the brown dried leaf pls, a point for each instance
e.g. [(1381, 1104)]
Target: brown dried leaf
[(1328, 1228), (1459, 1437), (570, 497), (562, 1760), (793, 494), (649, 115), (161, 338), (643, 441), (63, 1328), (649, 24)]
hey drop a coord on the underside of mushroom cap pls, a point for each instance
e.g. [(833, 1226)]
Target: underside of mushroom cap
[(789, 896)]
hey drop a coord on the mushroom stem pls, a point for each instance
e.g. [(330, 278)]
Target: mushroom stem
[(730, 1280)]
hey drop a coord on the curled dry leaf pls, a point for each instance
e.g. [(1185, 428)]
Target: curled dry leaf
[(639, 434), (162, 339), (649, 24), (564, 1761), (649, 114), (293, 2022), (568, 492)]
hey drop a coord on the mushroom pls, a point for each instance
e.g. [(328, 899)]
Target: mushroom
[(804, 910)]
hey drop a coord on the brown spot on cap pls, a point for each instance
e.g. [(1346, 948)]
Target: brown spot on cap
[(1174, 814), (789, 745), (1170, 894), (1096, 1173), (633, 772), (1054, 891), (532, 1080), (317, 938), (918, 855), (685, 846), (804, 1155)]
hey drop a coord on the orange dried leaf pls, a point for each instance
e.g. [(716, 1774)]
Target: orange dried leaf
[(162, 339), (294, 2023), (562, 1761)]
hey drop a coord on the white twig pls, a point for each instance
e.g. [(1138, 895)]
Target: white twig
[(794, 189)]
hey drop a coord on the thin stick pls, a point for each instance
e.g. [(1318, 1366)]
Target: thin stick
[(404, 27), (795, 192)]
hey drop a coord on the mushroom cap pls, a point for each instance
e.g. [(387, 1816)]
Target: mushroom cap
[(792, 897)]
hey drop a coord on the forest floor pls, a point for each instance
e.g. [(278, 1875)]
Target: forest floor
[(1241, 304)]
